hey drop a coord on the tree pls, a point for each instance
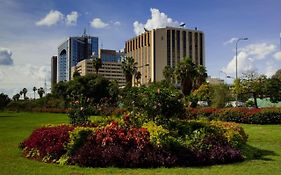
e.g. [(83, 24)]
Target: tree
[(254, 84), (219, 95), (21, 93), (277, 75), (34, 90), (201, 75), (138, 77), (16, 97), (4, 100), (185, 73), (97, 64), (76, 74), (40, 92), (24, 91), (168, 73), (128, 67), (273, 90)]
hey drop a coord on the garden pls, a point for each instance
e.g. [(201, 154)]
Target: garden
[(142, 129)]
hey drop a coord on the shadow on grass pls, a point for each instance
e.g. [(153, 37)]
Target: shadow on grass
[(253, 153), (7, 116)]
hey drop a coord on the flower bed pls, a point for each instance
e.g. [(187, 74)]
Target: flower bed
[(123, 144), (239, 115)]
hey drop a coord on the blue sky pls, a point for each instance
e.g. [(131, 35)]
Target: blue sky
[(31, 30)]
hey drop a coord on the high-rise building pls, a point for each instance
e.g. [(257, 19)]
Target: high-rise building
[(73, 50), (110, 70), (157, 48), (54, 60), (110, 55)]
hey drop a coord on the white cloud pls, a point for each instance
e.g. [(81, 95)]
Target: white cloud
[(71, 19), (248, 57), (6, 57), (98, 23), (230, 41), (270, 68), (157, 20), (52, 18), (277, 56), (117, 23), (260, 50)]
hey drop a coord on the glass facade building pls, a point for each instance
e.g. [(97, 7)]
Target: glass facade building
[(72, 51)]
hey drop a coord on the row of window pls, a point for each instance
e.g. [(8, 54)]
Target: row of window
[(138, 42)]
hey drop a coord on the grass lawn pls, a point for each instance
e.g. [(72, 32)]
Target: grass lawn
[(264, 146)]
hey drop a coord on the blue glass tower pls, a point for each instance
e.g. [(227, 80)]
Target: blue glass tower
[(73, 50)]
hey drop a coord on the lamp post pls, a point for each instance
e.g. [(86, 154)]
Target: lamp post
[(236, 71)]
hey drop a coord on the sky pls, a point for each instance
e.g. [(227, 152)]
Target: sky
[(31, 30)]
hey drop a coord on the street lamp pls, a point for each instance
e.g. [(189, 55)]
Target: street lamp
[(239, 39)]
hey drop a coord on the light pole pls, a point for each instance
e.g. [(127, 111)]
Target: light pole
[(236, 71), (236, 75)]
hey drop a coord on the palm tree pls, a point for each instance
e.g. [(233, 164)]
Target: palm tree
[(138, 77), (40, 92), (21, 93), (16, 97), (168, 73), (186, 73), (201, 75), (97, 64), (24, 91), (34, 90), (128, 67)]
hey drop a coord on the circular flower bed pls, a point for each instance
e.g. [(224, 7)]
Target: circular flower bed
[(123, 144)]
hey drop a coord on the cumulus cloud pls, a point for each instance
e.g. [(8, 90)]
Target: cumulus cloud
[(98, 23), (230, 41), (6, 57), (52, 18), (158, 20), (270, 68), (248, 57), (71, 19), (260, 50), (117, 23), (277, 56)]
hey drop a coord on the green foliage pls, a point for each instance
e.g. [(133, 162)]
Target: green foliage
[(169, 74), (273, 87), (220, 95), (4, 100), (158, 102), (128, 67), (158, 134), (97, 64)]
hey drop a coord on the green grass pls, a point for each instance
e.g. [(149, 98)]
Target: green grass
[(264, 148)]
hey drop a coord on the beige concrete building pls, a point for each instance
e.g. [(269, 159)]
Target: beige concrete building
[(158, 48), (109, 70)]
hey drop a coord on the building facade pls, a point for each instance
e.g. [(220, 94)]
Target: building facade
[(72, 51), (162, 47), (110, 70), (54, 61), (110, 55)]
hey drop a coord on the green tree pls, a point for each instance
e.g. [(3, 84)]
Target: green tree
[(40, 92), (4, 100), (254, 84), (24, 91), (168, 73), (21, 93), (220, 94), (138, 77), (186, 73), (76, 74), (128, 67), (273, 90), (277, 75), (201, 75), (16, 97), (97, 64), (34, 90)]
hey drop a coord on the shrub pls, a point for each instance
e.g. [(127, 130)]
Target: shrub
[(158, 134), (115, 146), (47, 143)]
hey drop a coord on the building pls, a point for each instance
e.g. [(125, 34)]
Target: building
[(214, 81), (109, 70), (110, 55), (157, 48), (53, 71), (72, 51)]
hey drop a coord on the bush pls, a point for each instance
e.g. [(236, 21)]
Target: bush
[(156, 101), (47, 143)]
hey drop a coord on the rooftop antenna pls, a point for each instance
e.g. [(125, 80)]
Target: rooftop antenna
[(182, 25), (85, 32)]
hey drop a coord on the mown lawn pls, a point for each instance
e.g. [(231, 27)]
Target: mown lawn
[(264, 148)]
